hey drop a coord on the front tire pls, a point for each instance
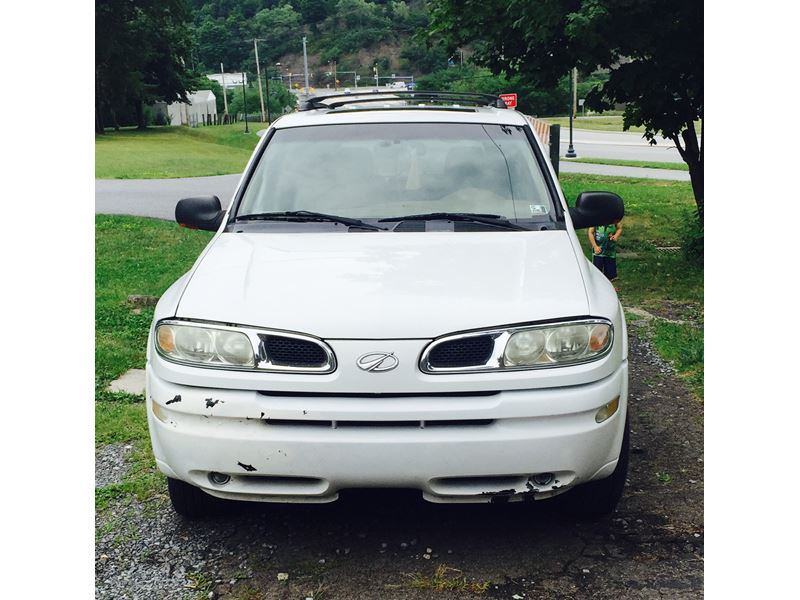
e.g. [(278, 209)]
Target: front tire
[(600, 498), (191, 502)]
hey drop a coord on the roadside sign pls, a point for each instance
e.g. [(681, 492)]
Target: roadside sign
[(581, 101), (509, 99), (358, 77)]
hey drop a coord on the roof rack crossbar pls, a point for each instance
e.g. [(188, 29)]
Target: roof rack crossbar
[(472, 98)]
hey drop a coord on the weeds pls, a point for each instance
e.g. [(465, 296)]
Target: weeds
[(447, 579)]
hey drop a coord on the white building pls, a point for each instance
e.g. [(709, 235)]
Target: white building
[(202, 102), (230, 79)]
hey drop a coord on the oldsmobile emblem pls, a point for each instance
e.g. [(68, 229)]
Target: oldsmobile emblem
[(377, 362)]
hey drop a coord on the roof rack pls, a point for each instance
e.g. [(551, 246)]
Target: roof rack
[(428, 97)]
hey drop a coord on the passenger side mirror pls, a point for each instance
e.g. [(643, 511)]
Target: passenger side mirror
[(202, 212), (596, 208)]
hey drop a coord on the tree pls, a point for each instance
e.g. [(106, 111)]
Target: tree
[(279, 98), (140, 48), (652, 48), (281, 29)]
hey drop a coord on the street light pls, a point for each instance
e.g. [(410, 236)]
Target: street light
[(574, 77)]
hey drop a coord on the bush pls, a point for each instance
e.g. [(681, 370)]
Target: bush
[(160, 118), (692, 239)]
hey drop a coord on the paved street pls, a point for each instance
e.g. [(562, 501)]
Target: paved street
[(618, 145), (157, 197)]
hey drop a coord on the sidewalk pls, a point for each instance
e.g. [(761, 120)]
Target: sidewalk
[(564, 166)]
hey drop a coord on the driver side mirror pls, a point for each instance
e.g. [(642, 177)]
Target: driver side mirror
[(596, 208), (202, 212)]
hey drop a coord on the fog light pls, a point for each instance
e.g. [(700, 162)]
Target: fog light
[(218, 478), (607, 411), (543, 478)]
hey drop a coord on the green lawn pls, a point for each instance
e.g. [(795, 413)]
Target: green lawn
[(161, 152), (599, 123), (681, 166), (129, 259), (661, 282)]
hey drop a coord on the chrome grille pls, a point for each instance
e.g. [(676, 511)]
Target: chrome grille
[(293, 352), (462, 352)]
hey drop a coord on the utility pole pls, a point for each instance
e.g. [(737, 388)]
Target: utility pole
[(258, 75), (574, 77), (269, 114), (224, 93), (305, 65), (244, 100)]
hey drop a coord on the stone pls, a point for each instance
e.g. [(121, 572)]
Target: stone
[(131, 382), (141, 300)]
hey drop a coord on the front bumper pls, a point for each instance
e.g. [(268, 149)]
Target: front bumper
[(454, 448)]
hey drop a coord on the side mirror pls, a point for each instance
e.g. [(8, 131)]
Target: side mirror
[(202, 212), (596, 208)]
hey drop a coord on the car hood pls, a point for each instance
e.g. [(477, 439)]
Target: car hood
[(367, 285)]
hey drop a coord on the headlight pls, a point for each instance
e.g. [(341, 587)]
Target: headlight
[(205, 346), (242, 348), (525, 347)]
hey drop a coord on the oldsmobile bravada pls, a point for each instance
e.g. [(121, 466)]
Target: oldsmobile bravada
[(395, 297)]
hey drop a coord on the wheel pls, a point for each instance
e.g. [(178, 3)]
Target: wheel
[(192, 502), (599, 498)]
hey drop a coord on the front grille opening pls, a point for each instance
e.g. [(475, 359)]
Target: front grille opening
[(459, 423), (479, 484), (293, 352), (471, 351), (298, 423), (371, 424), (378, 424), (291, 394)]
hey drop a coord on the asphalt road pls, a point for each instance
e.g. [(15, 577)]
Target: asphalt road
[(390, 545), (618, 145), (157, 197)]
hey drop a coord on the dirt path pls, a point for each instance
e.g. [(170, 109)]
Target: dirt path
[(375, 546)]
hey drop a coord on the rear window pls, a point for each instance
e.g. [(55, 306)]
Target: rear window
[(372, 171)]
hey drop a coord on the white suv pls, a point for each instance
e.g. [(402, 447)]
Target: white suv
[(396, 297)]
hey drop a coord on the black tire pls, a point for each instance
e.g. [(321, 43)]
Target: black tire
[(600, 498), (191, 502)]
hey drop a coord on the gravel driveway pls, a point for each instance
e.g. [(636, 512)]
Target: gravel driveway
[(389, 545)]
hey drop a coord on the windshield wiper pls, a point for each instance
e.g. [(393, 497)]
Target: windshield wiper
[(299, 216), (494, 220)]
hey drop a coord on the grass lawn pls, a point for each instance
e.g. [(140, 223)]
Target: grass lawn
[(681, 166), (130, 259), (161, 152), (599, 123), (660, 282)]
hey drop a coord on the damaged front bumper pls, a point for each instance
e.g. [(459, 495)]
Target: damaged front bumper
[(452, 447)]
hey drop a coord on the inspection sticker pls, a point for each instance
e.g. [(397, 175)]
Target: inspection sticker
[(538, 209)]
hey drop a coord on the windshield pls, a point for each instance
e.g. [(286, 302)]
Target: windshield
[(378, 171)]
